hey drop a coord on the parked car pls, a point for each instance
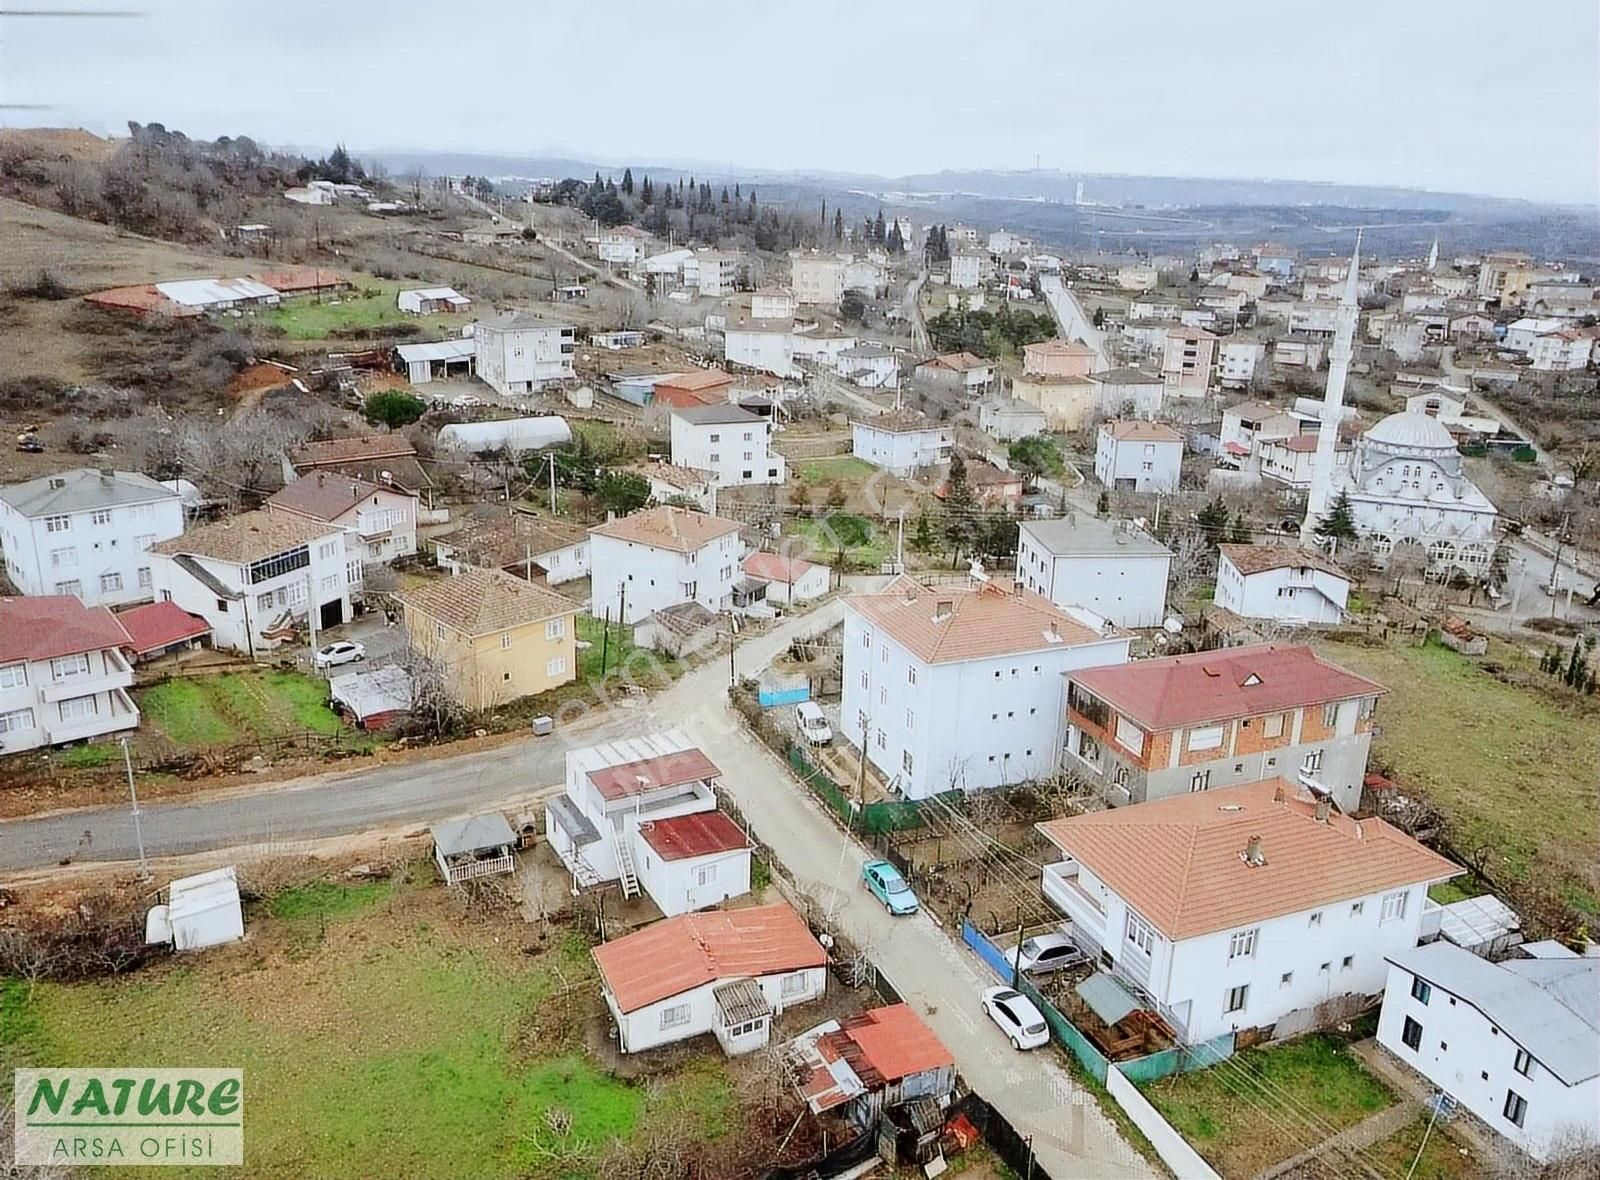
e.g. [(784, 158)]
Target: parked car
[(343, 652), (1044, 953), (1017, 1017), (813, 723), (885, 883)]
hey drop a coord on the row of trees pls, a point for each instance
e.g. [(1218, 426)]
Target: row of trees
[(989, 333)]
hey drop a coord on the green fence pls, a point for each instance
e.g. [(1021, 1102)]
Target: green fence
[(873, 819), (1185, 1059)]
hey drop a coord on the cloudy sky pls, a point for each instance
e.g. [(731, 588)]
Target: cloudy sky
[(1475, 96)]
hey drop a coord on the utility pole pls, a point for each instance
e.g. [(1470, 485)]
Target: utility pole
[(605, 641), (900, 542), (552, 484), (138, 827), (311, 609)]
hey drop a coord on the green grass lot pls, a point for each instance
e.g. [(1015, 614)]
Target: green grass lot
[(877, 549), (1511, 767), (370, 306), (847, 469), (1265, 1105), (1442, 1157), (202, 711), (379, 1036)]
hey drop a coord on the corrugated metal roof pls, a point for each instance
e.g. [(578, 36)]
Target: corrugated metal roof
[(473, 834), (437, 350)]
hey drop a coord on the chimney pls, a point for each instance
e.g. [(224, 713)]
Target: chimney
[(1055, 629), (1253, 854), (1324, 809), (943, 609), (1277, 794)]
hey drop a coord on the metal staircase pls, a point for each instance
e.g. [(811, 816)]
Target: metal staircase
[(630, 878)]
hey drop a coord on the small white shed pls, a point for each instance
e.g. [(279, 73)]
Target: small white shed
[(202, 910)]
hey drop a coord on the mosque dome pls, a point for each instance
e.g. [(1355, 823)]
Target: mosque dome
[(1411, 432)]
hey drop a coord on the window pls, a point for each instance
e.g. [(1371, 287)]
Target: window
[(144, 577), (1358, 909), (911, 675), (57, 524), (327, 550), (885, 652), (556, 667), (883, 740), (911, 719), (101, 516), (63, 558), (1421, 990), (1140, 934), (66, 667), (1129, 735), (1243, 944), (1523, 1063), (1236, 998), (705, 874), (905, 761), (1394, 906), (438, 630), (1272, 725), (16, 719), (1312, 762), (792, 985), (1348, 963), (1201, 781), (1330, 714), (1316, 919), (716, 458), (79, 709), (222, 605), (505, 640), (13, 676), (264, 602), (1516, 1107), (70, 586), (1411, 1034), (1207, 737), (674, 1017), (1286, 979)]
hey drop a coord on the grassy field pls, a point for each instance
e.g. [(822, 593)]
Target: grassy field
[(1265, 1105), (845, 468), (370, 306), (379, 1036), (877, 549), (234, 707), (1442, 1157), (1512, 768)]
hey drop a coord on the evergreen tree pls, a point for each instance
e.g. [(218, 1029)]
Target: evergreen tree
[(896, 244), (598, 183), (724, 194), (736, 195), (922, 538), (627, 181), (646, 193), (961, 521), (877, 228), (1340, 522), (1102, 506), (1213, 521), (1099, 317), (838, 225), (1240, 534)]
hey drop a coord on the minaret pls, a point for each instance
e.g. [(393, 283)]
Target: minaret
[(1433, 254), (1333, 402)]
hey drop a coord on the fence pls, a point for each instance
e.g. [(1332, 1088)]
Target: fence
[(1172, 1147), (871, 818)]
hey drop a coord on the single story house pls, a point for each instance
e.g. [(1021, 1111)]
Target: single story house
[(789, 579), (162, 628), (478, 846), (432, 300)]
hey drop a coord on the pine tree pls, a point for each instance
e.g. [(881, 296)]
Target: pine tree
[(961, 522), (922, 538), (1099, 317), (1240, 534), (838, 225), (896, 243), (1340, 522), (646, 193), (627, 181), (877, 228), (1213, 521), (724, 194), (736, 195)]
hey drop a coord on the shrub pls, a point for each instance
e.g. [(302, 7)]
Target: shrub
[(394, 408)]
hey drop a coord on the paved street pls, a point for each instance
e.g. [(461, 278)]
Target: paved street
[(940, 978)]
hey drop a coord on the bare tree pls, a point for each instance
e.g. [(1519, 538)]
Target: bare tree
[(1193, 563), (434, 707)]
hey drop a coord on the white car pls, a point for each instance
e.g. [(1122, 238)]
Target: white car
[(813, 724), (1044, 953), (343, 652), (1017, 1017)]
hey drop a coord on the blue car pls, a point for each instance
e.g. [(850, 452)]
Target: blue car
[(885, 883)]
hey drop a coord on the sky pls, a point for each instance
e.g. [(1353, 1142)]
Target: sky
[(1474, 96)]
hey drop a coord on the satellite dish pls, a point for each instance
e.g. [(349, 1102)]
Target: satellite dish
[(1173, 625)]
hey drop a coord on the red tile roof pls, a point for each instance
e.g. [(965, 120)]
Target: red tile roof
[(1256, 559), (142, 300), (156, 625), (651, 774), (692, 950), (665, 527), (322, 495), (891, 1043), (776, 567), (700, 833), (45, 627), (1138, 430), (1180, 861), (1209, 686), (696, 380), (295, 279)]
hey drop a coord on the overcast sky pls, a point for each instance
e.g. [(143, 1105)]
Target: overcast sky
[(1476, 95)]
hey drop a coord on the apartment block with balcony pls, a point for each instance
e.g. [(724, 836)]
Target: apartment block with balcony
[(63, 676), (1153, 729), (379, 522)]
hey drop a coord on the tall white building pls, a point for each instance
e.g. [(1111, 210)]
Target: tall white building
[(818, 279), (728, 441), (85, 533), (519, 353), (1140, 456), (1110, 567), (661, 557), (900, 443), (962, 687)]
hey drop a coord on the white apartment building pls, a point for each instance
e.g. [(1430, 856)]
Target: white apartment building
[(1237, 361), (771, 304), (520, 353), (1564, 351), (1110, 567), (256, 576), (622, 246), (1281, 582), (818, 279), (967, 269), (768, 346), (900, 443), (1136, 455), (962, 687), (379, 523), (63, 676), (717, 273), (1280, 906), (660, 557), (1516, 1042), (85, 532), (730, 442)]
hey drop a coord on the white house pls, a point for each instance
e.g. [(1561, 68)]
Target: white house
[(716, 272), (1237, 361), (85, 532), (950, 687), (1007, 419), (900, 443), (659, 557), (1129, 393), (817, 279), (643, 812), (669, 482), (767, 346), (1003, 241), (1135, 455), (63, 677), (622, 245), (727, 972), (1516, 1042), (1112, 568), (1562, 351), (1520, 334), (1452, 411), (519, 353), (730, 442), (967, 268), (1282, 582), (870, 366), (1278, 905), (789, 579), (670, 269), (771, 303), (379, 523), (432, 300), (251, 577)]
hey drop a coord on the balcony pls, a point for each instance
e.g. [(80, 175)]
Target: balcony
[(116, 675), (1061, 888), (1432, 917), (371, 528), (121, 714)]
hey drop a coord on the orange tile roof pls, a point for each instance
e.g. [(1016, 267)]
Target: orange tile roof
[(993, 621), (484, 601), (679, 529), (776, 567), (1256, 559), (1138, 430), (691, 950), (141, 299), (156, 625), (1209, 686), (1180, 861), (892, 1043), (652, 774), (960, 361), (696, 380), (294, 279), (1057, 348)]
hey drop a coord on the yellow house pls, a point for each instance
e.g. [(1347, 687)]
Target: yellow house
[(496, 636), (1068, 402)]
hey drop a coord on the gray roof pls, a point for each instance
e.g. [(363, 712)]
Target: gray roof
[(1079, 535), (1107, 997), (473, 834), (388, 689), (1126, 376), (82, 490), (516, 320), (866, 352), (1551, 1007), (1474, 922), (573, 822), (711, 415)]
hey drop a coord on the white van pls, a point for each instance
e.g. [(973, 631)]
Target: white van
[(812, 723)]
